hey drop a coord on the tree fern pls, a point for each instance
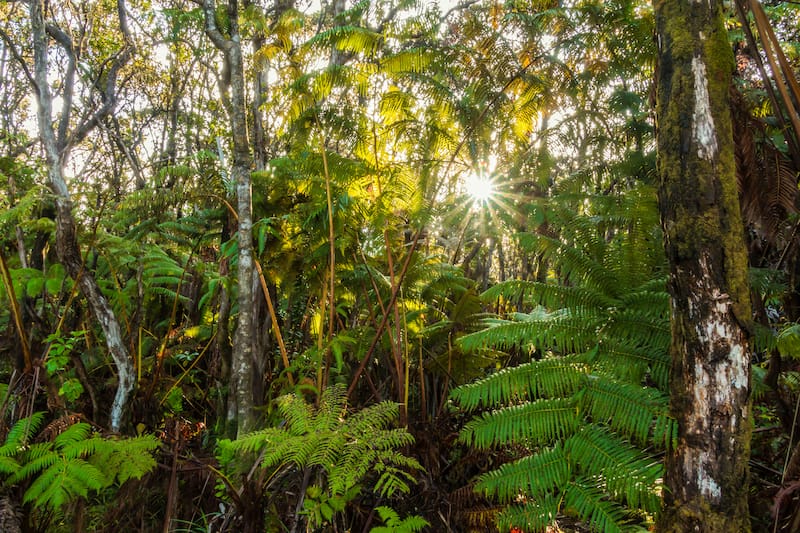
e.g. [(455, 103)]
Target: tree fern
[(590, 414)]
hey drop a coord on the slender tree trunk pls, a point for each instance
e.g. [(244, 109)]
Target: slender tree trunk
[(242, 363), (707, 473), (56, 153)]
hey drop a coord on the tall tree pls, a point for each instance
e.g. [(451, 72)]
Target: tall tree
[(58, 144), (707, 473), (233, 85)]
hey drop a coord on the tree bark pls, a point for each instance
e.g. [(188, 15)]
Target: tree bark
[(242, 363), (707, 472), (57, 150)]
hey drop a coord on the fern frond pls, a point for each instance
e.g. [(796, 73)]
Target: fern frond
[(534, 516), (392, 480), (576, 266), (632, 326), (627, 408), (38, 458), (562, 333), (73, 434), (62, 482), (539, 422), (650, 303), (407, 61), (330, 413), (630, 363), (586, 500), (533, 476), (629, 475), (20, 433), (377, 416), (124, 459), (549, 295), (8, 465), (394, 524), (298, 414), (547, 378), (354, 39)]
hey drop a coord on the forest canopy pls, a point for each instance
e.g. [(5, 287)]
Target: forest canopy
[(396, 265)]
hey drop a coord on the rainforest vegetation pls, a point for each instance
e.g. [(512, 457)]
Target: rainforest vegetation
[(397, 266)]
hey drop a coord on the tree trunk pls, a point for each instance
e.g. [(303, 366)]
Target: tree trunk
[(56, 153), (706, 473), (242, 363)]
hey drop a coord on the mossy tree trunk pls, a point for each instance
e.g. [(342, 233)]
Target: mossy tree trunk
[(706, 474)]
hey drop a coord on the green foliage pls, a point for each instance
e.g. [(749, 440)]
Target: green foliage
[(72, 464), (347, 451), (590, 413), (789, 341), (394, 524)]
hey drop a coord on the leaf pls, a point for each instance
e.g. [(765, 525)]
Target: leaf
[(789, 341)]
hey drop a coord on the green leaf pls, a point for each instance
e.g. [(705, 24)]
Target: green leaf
[(789, 341)]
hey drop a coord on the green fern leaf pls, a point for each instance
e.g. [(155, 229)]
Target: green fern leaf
[(547, 378), (124, 459), (394, 524), (20, 434), (539, 422), (533, 476), (534, 516), (586, 500), (627, 408), (629, 474)]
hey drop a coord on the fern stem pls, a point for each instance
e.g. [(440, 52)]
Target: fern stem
[(385, 318), (16, 312), (332, 238)]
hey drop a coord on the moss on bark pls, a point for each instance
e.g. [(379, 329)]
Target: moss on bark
[(707, 473)]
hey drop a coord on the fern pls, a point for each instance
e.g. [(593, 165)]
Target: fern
[(74, 463), (347, 451), (394, 524), (548, 378), (629, 474), (538, 422), (585, 416), (537, 515), (539, 474), (630, 409), (585, 499)]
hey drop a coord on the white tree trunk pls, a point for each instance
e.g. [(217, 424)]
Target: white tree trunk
[(56, 153)]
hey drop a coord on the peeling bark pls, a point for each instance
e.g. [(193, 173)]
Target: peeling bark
[(707, 473)]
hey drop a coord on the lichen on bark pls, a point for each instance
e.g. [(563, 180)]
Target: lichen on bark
[(706, 474)]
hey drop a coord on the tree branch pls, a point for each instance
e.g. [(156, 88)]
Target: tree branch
[(19, 58)]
